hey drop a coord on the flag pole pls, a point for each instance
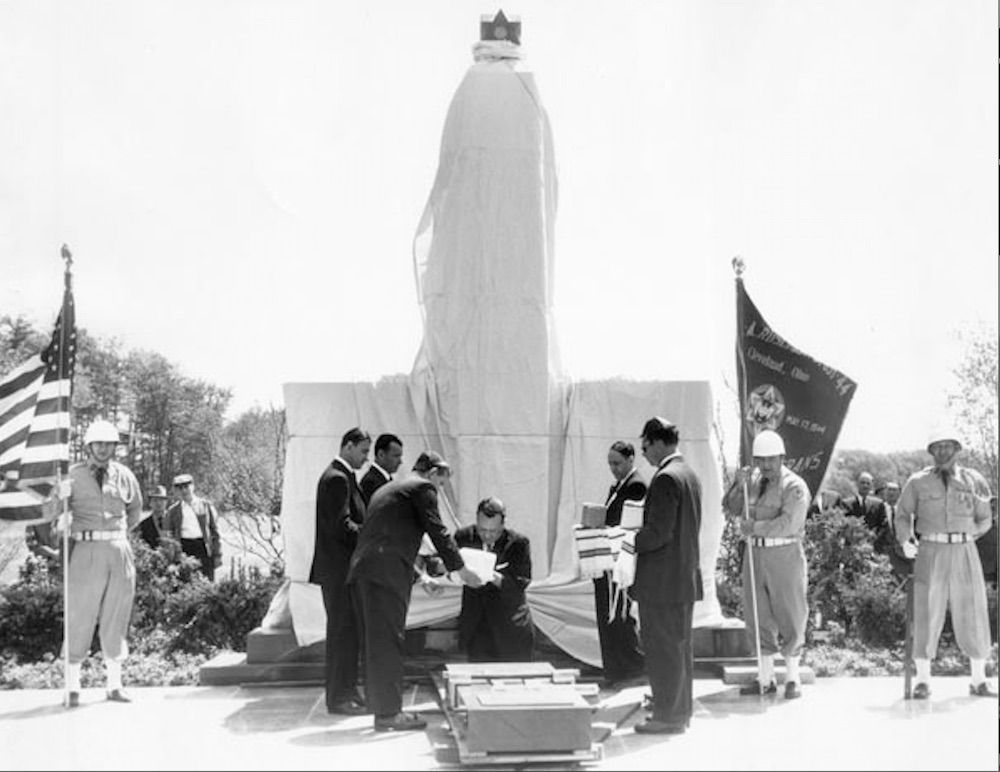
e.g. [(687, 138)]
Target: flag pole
[(64, 500), (738, 267)]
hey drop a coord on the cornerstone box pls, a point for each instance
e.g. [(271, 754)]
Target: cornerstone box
[(526, 718)]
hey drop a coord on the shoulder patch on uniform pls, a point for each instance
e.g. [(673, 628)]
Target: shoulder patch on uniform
[(797, 492)]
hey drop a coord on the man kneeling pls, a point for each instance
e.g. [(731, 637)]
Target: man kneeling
[(495, 622)]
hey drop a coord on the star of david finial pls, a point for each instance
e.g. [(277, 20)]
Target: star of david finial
[(500, 28)]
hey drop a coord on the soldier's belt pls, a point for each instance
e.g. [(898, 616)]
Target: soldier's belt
[(947, 538), (98, 535), (772, 541)]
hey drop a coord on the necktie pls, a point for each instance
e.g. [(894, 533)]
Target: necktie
[(763, 487), (99, 473), (945, 476)]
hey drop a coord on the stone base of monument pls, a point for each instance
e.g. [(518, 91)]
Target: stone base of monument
[(273, 655)]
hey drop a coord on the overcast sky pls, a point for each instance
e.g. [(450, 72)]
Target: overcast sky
[(240, 183)]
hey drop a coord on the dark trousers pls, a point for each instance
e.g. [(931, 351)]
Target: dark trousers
[(666, 641), (196, 548), (620, 651), (509, 643), (384, 613), (343, 641)]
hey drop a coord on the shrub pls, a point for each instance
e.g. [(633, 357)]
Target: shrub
[(203, 616), (31, 617), (159, 575)]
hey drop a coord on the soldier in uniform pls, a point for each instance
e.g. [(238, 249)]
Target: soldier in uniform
[(948, 506), (106, 503), (778, 501)]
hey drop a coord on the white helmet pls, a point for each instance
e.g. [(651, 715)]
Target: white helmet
[(943, 435), (768, 443), (101, 431)]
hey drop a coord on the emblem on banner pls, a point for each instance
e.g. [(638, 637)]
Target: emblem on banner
[(765, 408)]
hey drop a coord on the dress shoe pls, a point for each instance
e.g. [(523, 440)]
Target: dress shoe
[(118, 695), (921, 691), (401, 722), (792, 690), (652, 726), (351, 707), (754, 688), (982, 690), (74, 700)]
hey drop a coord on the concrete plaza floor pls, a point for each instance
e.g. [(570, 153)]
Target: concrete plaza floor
[(840, 723)]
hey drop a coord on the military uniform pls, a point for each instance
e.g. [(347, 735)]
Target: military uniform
[(947, 573), (101, 567), (779, 560)]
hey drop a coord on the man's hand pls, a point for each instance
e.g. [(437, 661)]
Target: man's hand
[(470, 577), (743, 474), (496, 579), (909, 549), (431, 585)]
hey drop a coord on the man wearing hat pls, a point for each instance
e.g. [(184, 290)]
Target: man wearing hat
[(382, 572), (193, 522), (106, 502), (773, 522), (152, 525), (942, 509)]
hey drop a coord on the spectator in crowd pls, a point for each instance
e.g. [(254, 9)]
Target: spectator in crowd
[(382, 571), (621, 653), (340, 512), (495, 622), (388, 457), (889, 493), (986, 545), (948, 505), (869, 508), (152, 525), (106, 503), (668, 578), (193, 521), (773, 522)]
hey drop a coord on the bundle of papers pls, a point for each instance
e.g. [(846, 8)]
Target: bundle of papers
[(481, 562)]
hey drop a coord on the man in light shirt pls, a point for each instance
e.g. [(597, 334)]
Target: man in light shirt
[(942, 509), (106, 502), (193, 522)]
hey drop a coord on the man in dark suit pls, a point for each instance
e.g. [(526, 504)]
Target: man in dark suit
[(340, 512), (871, 509), (495, 622), (388, 457), (668, 578), (620, 651), (401, 512)]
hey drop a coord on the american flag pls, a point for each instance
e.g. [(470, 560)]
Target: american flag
[(35, 423)]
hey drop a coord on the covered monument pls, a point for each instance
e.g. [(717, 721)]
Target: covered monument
[(487, 388)]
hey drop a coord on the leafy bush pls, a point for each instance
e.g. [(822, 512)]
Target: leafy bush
[(159, 575), (203, 616), (31, 618)]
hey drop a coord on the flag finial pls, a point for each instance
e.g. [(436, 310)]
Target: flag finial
[(738, 266)]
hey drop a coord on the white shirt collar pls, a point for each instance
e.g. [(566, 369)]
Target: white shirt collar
[(675, 454), (385, 474)]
